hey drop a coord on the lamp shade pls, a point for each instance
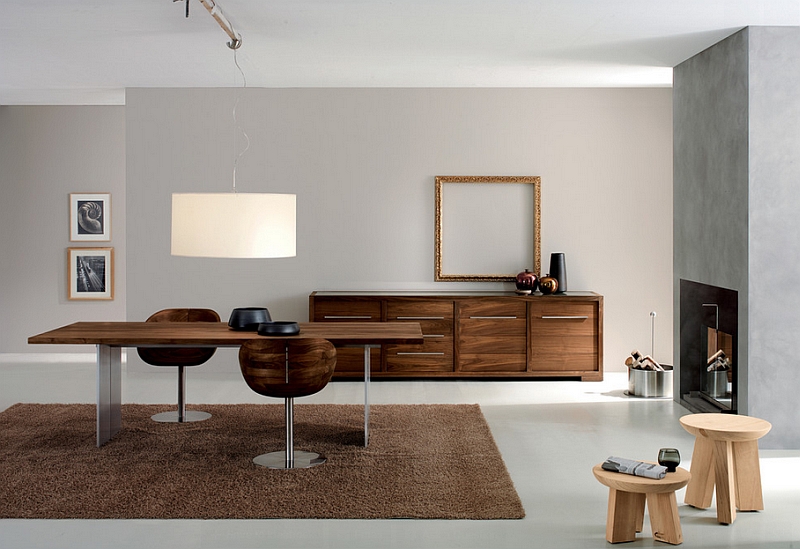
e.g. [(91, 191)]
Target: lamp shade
[(234, 225)]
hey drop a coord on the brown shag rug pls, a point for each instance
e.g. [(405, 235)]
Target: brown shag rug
[(423, 461)]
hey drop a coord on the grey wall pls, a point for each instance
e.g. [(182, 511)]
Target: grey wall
[(46, 153), (737, 163), (362, 163), (774, 379), (710, 106)]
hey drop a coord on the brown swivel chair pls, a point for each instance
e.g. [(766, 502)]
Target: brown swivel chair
[(180, 357), (287, 368)]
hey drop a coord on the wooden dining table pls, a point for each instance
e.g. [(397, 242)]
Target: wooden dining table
[(110, 337)]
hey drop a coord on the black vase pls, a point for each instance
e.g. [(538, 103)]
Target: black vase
[(558, 270)]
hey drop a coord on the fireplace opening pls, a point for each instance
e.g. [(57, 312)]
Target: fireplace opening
[(708, 347)]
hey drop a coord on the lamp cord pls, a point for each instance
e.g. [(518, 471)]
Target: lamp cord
[(235, 121)]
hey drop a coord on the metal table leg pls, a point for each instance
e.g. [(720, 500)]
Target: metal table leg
[(367, 368), (109, 392), (367, 373)]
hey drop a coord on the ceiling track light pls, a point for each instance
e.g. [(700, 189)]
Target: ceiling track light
[(222, 21)]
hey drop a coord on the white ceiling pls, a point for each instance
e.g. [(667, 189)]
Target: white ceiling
[(89, 51)]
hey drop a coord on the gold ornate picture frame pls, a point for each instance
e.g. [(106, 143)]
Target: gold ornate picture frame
[(487, 228)]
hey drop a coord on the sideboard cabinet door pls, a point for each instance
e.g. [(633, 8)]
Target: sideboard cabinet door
[(491, 335), (566, 338)]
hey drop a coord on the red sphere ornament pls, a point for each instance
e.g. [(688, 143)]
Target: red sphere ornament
[(526, 282)]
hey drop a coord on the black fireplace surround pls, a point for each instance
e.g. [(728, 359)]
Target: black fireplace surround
[(702, 307)]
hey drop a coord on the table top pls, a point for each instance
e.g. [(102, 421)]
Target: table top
[(217, 334), (642, 485), (731, 427)]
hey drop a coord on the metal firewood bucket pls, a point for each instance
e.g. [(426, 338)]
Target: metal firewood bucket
[(650, 383), (717, 383)]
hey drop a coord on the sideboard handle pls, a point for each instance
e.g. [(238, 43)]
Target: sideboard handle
[(410, 353), (432, 335), (565, 317), (339, 317), (420, 318), (493, 318)]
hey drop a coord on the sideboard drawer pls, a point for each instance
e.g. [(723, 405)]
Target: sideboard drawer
[(416, 310), (346, 310)]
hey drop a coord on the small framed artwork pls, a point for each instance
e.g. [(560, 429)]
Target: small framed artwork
[(91, 273), (89, 217)]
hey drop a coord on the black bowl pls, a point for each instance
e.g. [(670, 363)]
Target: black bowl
[(278, 327), (248, 318)]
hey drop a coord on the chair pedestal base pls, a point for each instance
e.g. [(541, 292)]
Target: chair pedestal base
[(277, 460), (188, 417)]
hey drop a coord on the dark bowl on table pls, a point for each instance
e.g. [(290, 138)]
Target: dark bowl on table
[(248, 318), (278, 327)]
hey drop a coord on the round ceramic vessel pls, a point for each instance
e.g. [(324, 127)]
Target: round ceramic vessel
[(248, 318), (278, 327)]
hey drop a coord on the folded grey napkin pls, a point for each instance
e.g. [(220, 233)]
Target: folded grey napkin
[(632, 467)]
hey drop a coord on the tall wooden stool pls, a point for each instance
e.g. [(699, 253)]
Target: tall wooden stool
[(726, 456), (626, 500)]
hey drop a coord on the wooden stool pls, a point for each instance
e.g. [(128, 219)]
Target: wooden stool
[(626, 500), (725, 455)]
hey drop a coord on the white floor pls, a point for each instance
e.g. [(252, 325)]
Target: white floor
[(550, 435)]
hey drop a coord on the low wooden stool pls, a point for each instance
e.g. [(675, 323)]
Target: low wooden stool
[(626, 500), (725, 455)]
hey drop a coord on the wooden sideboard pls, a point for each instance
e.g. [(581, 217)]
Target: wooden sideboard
[(474, 334)]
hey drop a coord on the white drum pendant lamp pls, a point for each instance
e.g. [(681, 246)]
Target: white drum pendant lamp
[(234, 225)]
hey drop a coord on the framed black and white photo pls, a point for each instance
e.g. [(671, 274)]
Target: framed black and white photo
[(89, 217), (91, 273)]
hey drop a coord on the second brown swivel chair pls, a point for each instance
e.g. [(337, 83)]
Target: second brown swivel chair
[(180, 358)]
